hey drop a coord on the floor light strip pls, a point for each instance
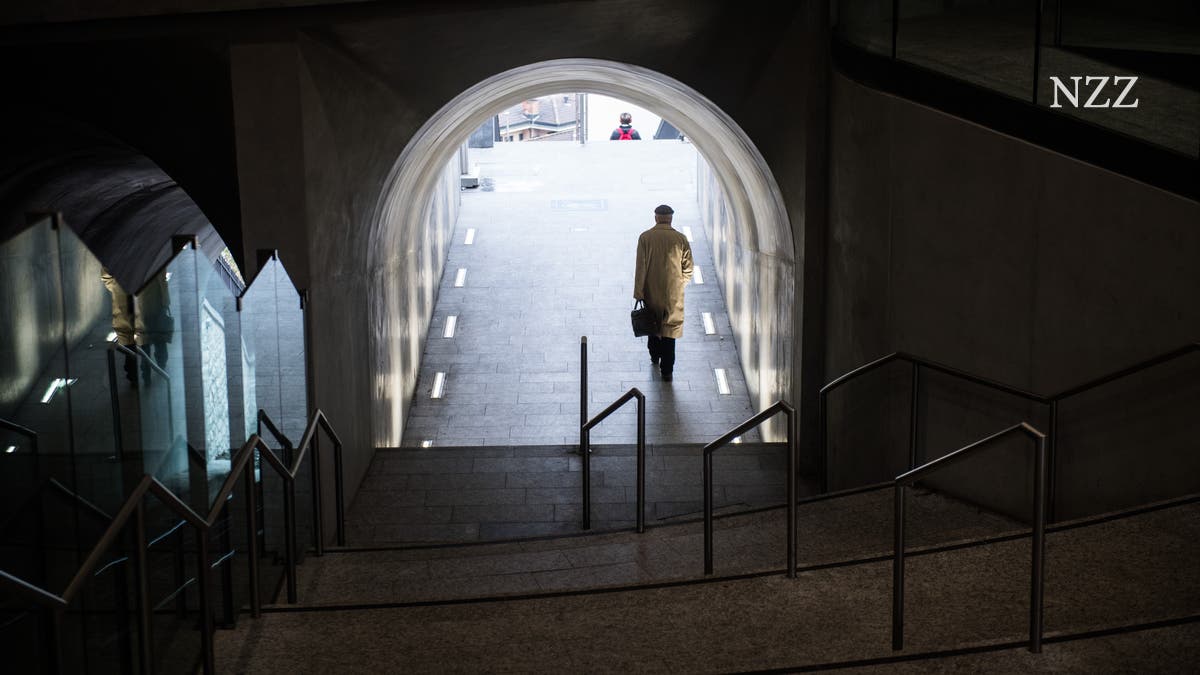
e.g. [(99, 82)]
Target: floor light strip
[(460, 278), (439, 385), (10, 450), (112, 337), (722, 381), (426, 444), (709, 328), (451, 324), (470, 237), (697, 276)]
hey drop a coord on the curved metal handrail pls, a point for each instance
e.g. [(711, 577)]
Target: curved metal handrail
[(241, 468), (310, 439), (918, 363), (778, 406), (264, 420), (1037, 564), (585, 453)]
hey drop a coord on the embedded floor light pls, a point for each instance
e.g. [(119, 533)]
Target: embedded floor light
[(460, 278), (722, 381), (736, 439), (687, 232), (112, 336), (697, 276), (451, 324), (426, 444), (470, 237), (10, 449), (709, 327), (439, 385)]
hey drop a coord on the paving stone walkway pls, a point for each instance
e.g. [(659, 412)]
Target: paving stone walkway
[(553, 232)]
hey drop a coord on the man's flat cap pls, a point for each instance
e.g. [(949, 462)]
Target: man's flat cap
[(664, 210)]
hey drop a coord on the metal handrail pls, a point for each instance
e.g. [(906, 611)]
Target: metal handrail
[(65, 491), (585, 453), (778, 406), (310, 439), (264, 420), (134, 507), (1038, 562), (918, 363)]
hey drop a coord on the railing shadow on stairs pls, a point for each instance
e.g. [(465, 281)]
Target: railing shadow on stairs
[(242, 470)]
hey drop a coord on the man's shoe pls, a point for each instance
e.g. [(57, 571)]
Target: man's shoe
[(654, 360)]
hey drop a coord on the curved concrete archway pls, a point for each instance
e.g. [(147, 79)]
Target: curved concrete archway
[(750, 224)]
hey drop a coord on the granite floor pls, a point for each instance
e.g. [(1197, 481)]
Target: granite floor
[(553, 232), (1109, 574)]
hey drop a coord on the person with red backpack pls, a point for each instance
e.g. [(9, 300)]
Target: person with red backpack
[(625, 132)]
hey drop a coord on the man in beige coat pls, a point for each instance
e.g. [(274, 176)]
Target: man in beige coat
[(664, 265)]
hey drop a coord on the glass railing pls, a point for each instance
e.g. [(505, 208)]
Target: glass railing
[(1142, 58), (98, 387)]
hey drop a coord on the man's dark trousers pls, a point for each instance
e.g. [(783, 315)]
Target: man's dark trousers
[(663, 349)]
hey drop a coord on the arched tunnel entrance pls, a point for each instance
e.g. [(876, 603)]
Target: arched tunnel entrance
[(742, 212)]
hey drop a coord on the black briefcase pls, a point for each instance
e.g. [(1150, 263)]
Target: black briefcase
[(644, 320)]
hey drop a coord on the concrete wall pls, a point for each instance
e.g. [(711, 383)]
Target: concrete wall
[(955, 243), (759, 294)]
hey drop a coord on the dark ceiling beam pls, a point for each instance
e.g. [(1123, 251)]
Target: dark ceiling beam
[(246, 23)]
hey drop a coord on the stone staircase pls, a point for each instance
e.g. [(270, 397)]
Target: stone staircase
[(1122, 594)]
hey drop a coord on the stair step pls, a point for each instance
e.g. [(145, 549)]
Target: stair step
[(1105, 574)]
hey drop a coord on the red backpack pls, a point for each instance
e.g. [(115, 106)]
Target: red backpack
[(626, 134)]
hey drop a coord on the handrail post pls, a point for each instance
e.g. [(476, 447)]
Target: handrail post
[(289, 537), (791, 492), (912, 415), (1052, 462), (585, 449), (180, 574), (252, 538), (1037, 575), (708, 513), (318, 513), (338, 494), (641, 462), (143, 589), (898, 570), (823, 439), (202, 583), (583, 381), (227, 567)]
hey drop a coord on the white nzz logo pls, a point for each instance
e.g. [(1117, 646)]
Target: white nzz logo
[(1072, 94)]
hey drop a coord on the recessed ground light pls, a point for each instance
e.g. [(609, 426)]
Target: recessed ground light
[(451, 324), (736, 439), (697, 276), (112, 337), (426, 444), (709, 328), (461, 277), (10, 449), (439, 384), (470, 237), (722, 381), (687, 232)]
